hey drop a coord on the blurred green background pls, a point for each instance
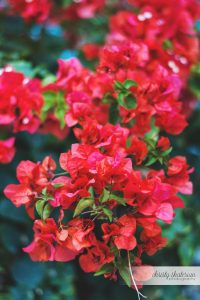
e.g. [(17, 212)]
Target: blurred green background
[(34, 51)]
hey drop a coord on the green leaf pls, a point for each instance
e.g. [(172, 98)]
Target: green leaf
[(130, 102), (49, 104), (44, 191), (107, 98), (126, 99), (121, 98), (40, 207), (114, 117), (151, 143), (153, 133), (107, 268), (91, 191), (46, 211), (55, 102), (43, 209), (151, 161), (61, 108), (60, 115), (166, 152), (124, 272), (108, 213), (118, 86), (104, 196), (129, 83), (82, 205), (48, 79), (122, 87), (57, 185), (161, 160), (167, 44), (49, 100), (119, 199)]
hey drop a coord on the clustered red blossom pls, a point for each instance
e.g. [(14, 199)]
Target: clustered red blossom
[(165, 27), (43, 10), (106, 181), (38, 10), (118, 180), (84, 9), (21, 107), (21, 101)]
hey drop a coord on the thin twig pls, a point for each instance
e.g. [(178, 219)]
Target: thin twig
[(60, 174), (87, 212), (132, 278)]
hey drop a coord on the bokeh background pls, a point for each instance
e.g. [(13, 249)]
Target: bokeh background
[(34, 50)]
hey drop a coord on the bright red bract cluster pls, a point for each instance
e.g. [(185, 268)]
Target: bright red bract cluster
[(44, 10), (21, 101), (38, 10), (118, 180), (21, 109)]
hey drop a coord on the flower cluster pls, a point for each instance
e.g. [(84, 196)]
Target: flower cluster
[(42, 11), (167, 28), (107, 189), (118, 179), (21, 103), (22, 109), (106, 196), (84, 9), (34, 10)]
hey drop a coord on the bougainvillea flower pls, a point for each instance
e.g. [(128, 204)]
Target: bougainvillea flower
[(122, 232), (21, 101), (96, 257), (32, 10), (43, 247), (7, 150), (178, 175)]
